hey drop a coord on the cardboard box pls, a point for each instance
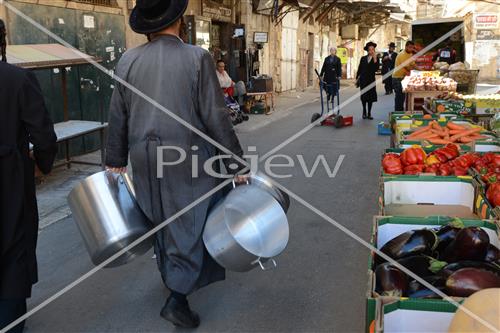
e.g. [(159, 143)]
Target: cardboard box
[(425, 195), (453, 106), (393, 314)]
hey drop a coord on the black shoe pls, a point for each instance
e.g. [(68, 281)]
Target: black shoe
[(364, 116), (179, 314), (370, 117)]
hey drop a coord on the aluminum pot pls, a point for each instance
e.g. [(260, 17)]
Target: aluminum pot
[(263, 181), (109, 218), (246, 229)]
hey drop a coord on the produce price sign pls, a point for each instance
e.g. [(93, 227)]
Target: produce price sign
[(424, 62), (425, 73)]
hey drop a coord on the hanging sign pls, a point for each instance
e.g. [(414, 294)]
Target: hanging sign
[(216, 11)]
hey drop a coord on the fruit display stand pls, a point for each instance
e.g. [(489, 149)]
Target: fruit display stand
[(402, 314), (411, 96)]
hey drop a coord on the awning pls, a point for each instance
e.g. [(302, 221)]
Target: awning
[(44, 56)]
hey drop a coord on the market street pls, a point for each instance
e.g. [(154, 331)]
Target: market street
[(320, 282)]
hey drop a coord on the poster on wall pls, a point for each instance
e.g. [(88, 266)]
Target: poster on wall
[(343, 54), (486, 20)]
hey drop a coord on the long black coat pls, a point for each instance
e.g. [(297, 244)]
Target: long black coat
[(366, 76), (24, 119), (388, 65), (182, 78), (332, 69)]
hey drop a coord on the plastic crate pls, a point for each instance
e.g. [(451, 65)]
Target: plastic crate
[(384, 129)]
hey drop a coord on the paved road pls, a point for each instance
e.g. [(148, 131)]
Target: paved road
[(321, 281)]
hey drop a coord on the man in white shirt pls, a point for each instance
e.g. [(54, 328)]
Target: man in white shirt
[(224, 78)]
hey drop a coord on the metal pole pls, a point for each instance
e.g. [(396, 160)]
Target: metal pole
[(64, 91)]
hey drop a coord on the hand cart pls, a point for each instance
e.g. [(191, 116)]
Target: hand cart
[(334, 119)]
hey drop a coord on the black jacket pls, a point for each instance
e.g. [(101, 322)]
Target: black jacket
[(388, 65), (366, 76), (24, 119), (332, 69)]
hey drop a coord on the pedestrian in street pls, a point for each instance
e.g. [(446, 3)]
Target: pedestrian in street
[(403, 67), (388, 63), (368, 66), (25, 120), (3, 42), (182, 78), (331, 72)]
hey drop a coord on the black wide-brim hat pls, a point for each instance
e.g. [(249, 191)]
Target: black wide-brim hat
[(392, 45), (150, 16), (370, 44)]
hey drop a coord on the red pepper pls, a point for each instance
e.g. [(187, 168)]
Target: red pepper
[(441, 157), (432, 168), (490, 178), (496, 161), (449, 152), (460, 171), (414, 169), (489, 157), (392, 164), (445, 170), (493, 194), (413, 155)]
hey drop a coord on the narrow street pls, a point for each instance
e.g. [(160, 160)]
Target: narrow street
[(320, 282)]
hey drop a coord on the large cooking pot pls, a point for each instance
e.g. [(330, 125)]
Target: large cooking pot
[(263, 181), (108, 217), (246, 229)]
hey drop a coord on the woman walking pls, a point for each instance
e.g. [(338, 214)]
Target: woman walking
[(365, 76)]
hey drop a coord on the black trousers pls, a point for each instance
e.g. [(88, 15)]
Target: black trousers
[(10, 310), (388, 85), (399, 97)]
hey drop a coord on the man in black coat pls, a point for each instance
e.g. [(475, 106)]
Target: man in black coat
[(3, 42), (331, 72), (388, 63), (24, 120)]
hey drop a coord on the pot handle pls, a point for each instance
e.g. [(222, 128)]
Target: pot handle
[(234, 183), (263, 267)]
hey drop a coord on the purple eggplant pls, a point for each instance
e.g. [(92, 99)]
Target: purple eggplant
[(446, 236), (422, 265), (409, 244), (467, 281), (390, 281), (453, 267), (470, 244), (435, 280), (493, 255)]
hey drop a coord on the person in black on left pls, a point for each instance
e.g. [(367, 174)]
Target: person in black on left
[(368, 66), (331, 72), (3, 42)]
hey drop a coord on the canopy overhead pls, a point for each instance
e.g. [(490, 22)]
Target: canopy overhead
[(45, 56)]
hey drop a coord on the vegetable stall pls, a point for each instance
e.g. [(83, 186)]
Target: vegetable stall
[(439, 218)]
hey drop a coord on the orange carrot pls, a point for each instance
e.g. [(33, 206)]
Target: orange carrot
[(422, 136), (466, 139), (439, 141), (439, 132), (436, 126), (453, 132), (451, 125), (420, 130), (465, 133)]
